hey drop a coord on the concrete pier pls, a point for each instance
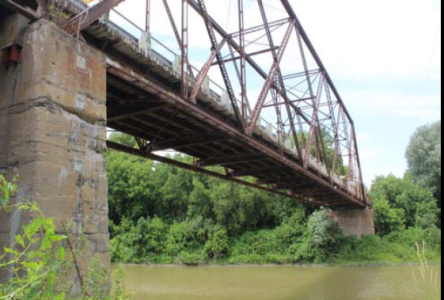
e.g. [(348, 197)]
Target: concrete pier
[(357, 222), (53, 132)]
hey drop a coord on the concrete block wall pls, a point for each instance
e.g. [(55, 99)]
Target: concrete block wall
[(53, 132)]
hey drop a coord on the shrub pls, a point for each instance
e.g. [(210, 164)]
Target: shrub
[(325, 233), (176, 239), (190, 259), (217, 244)]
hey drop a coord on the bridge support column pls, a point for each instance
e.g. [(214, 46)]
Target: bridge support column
[(53, 134), (354, 222)]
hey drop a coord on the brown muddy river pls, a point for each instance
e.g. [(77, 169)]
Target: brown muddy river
[(274, 283)]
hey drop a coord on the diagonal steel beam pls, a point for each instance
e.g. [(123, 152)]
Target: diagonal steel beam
[(90, 15), (20, 9), (204, 72), (223, 69), (176, 32), (269, 81)]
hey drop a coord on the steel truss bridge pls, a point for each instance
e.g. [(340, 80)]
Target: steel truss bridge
[(271, 123)]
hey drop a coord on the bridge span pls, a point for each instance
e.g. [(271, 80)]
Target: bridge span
[(261, 106)]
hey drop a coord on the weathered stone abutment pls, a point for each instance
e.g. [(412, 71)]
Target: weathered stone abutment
[(53, 132)]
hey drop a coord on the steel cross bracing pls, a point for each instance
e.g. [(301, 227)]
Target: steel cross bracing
[(298, 120)]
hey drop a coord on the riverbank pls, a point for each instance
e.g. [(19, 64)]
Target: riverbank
[(262, 248), (436, 264)]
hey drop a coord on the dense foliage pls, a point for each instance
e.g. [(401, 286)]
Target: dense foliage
[(161, 214), (424, 158)]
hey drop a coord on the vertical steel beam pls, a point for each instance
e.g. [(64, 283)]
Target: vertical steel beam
[(90, 15), (20, 9), (239, 77), (280, 123), (184, 49), (243, 66), (209, 25), (314, 123), (335, 127), (358, 161), (148, 16), (349, 146)]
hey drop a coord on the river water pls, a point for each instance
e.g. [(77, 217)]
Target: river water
[(272, 283)]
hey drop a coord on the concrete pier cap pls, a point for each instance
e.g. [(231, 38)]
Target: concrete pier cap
[(354, 222)]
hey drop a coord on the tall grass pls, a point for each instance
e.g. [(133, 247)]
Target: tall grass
[(426, 277)]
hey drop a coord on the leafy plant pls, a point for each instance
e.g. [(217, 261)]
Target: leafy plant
[(38, 264), (7, 190)]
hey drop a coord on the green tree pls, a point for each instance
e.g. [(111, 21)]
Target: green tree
[(132, 191), (403, 193), (200, 203), (387, 219), (217, 244), (424, 158)]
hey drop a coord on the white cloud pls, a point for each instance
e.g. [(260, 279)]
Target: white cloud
[(394, 103), (363, 39)]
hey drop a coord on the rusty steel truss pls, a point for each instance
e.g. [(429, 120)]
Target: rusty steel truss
[(299, 101)]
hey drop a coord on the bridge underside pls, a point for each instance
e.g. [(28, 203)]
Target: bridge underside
[(146, 109)]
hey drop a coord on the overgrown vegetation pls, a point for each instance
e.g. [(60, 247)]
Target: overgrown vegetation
[(163, 215), (38, 264)]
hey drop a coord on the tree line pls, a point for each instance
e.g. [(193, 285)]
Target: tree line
[(162, 214)]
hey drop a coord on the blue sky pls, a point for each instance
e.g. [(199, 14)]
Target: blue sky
[(384, 56)]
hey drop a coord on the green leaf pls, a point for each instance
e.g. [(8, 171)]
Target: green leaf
[(60, 297), (20, 240), (11, 251), (62, 254), (31, 265)]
